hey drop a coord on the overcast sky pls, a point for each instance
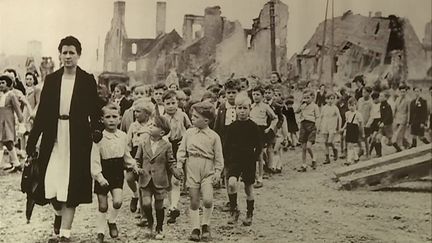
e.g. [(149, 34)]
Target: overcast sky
[(50, 20)]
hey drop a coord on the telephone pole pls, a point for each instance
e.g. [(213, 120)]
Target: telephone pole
[(272, 36)]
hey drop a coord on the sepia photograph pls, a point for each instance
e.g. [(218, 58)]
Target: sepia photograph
[(268, 121)]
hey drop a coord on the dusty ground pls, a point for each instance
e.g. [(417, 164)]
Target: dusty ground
[(291, 207)]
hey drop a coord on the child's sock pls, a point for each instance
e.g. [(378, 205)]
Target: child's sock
[(14, 157), (65, 233), (159, 218), (207, 213), (250, 207), (175, 195), (113, 215), (149, 215), (101, 222), (233, 201), (195, 218)]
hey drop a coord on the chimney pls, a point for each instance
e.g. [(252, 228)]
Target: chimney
[(160, 18), (370, 14), (119, 11)]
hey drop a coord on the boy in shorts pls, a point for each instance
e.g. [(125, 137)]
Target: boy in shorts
[(309, 113), (242, 149), (200, 152)]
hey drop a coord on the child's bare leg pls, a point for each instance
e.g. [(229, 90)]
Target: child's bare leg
[(207, 193), (12, 153), (309, 149), (117, 199), (304, 149), (1, 153), (175, 193), (194, 194), (270, 150), (326, 147), (332, 146), (131, 181), (261, 167), (101, 219)]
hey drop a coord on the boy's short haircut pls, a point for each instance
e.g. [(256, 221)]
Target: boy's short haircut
[(244, 80), (181, 95), (169, 94), (368, 89), (162, 123), (258, 88), (417, 88), (8, 80), (232, 84), (187, 91), (375, 95), (111, 107), (269, 87), (352, 101), (221, 93), (205, 109), (122, 87), (208, 95), (330, 94), (144, 105), (160, 86), (242, 100)]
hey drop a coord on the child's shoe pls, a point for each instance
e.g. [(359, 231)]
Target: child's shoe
[(234, 216), (327, 160), (148, 231), (248, 219), (302, 168), (159, 234), (313, 165), (206, 235), (258, 184), (172, 215), (113, 231), (195, 235), (100, 238)]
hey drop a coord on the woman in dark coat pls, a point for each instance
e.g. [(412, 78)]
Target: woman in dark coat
[(68, 99)]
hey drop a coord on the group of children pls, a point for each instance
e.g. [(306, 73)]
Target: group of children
[(159, 140)]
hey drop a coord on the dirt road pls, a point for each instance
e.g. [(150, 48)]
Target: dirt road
[(291, 207)]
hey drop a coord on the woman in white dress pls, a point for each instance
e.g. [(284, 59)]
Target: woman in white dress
[(67, 119)]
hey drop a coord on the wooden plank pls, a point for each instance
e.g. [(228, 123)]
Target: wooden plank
[(385, 160), (402, 171)]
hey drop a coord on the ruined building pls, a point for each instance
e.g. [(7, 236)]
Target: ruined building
[(427, 45), (144, 60), (221, 47), (212, 46), (380, 48)]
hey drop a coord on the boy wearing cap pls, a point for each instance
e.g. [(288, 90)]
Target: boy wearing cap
[(200, 152)]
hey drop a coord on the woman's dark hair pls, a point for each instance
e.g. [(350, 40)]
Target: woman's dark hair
[(70, 41), (7, 79), (35, 80), (278, 75)]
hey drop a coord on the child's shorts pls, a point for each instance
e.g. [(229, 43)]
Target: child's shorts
[(307, 132), (112, 170), (268, 138), (244, 169), (417, 130), (151, 190), (199, 171), (387, 131)]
